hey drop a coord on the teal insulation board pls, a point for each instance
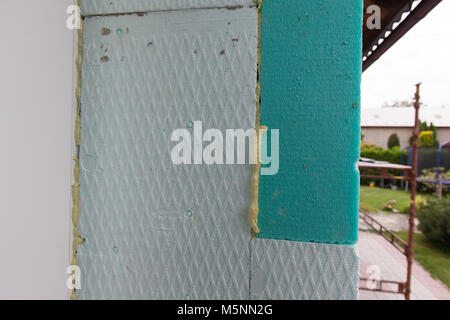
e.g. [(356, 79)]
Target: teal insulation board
[(157, 230), (310, 91)]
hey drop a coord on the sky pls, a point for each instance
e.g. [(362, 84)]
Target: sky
[(422, 55)]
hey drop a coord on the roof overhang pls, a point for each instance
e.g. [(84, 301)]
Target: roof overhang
[(397, 18)]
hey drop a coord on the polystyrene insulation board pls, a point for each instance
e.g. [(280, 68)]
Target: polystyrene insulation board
[(154, 229), (297, 270), (310, 91), (97, 7)]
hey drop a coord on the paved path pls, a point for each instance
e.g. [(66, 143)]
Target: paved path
[(375, 250), (392, 221)]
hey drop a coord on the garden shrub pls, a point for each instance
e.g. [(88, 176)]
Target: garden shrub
[(434, 217), (393, 141), (393, 155), (426, 139)]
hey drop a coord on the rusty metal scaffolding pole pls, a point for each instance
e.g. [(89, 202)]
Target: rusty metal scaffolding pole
[(412, 207)]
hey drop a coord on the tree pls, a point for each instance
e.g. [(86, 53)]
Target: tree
[(423, 126), (393, 141)]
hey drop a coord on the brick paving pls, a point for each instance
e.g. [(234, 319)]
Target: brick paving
[(375, 250)]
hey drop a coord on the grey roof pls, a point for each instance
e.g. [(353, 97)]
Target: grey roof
[(404, 117)]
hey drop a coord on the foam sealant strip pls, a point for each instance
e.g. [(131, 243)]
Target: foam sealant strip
[(77, 240), (254, 182)]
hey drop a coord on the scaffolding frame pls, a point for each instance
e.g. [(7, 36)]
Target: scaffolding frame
[(382, 170)]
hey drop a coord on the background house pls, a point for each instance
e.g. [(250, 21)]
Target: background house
[(378, 124)]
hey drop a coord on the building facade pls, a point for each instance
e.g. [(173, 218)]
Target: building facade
[(378, 124)]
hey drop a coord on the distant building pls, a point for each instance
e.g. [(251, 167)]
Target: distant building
[(378, 124)]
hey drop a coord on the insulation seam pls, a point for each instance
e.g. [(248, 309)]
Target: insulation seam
[(254, 181), (77, 240)]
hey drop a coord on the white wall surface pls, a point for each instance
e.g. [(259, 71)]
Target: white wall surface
[(380, 136), (36, 101)]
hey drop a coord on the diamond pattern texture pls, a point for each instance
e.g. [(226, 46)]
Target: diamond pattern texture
[(96, 7), (296, 270), (154, 229)]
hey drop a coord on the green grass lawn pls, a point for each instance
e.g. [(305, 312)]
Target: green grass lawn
[(374, 199), (435, 260)]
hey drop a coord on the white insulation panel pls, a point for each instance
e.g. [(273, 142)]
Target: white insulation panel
[(154, 229), (298, 270)]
